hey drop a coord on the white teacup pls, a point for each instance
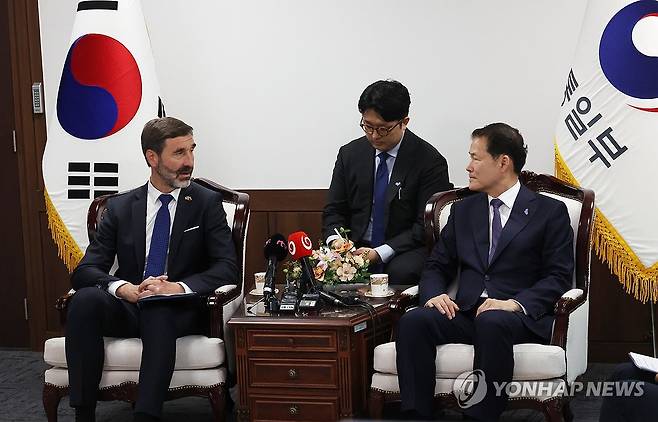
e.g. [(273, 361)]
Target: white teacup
[(379, 285), (259, 279)]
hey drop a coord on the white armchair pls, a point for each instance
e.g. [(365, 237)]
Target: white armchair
[(201, 360), (557, 364)]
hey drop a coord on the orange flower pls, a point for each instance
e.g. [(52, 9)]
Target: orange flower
[(318, 272), (343, 246)]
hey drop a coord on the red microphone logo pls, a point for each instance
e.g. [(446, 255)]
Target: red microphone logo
[(299, 245)]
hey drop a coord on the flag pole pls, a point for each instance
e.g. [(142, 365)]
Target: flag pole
[(653, 330)]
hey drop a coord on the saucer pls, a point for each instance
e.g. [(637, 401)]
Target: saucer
[(255, 292), (388, 294)]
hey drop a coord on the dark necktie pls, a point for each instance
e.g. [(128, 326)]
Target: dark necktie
[(496, 226), (379, 205), (155, 265)]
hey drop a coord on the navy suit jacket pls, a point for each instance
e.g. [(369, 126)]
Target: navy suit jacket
[(419, 172), (202, 258), (533, 262)]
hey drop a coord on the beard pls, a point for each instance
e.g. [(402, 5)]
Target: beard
[(170, 177)]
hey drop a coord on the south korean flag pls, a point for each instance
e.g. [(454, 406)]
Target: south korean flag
[(108, 89)]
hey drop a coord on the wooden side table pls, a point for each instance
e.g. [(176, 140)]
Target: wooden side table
[(306, 367)]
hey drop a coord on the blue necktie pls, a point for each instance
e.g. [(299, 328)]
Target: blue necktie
[(379, 205), (496, 226), (155, 266)]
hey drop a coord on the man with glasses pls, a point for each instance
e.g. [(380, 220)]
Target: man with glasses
[(381, 182)]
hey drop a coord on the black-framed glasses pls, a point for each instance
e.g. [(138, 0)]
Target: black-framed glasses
[(381, 131)]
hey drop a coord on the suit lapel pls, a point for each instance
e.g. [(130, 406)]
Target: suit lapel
[(403, 162), (367, 171), (139, 227), (181, 219), (480, 224), (523, 211), (365, 176)]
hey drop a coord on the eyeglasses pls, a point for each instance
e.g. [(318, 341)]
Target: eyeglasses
[(381, 131)]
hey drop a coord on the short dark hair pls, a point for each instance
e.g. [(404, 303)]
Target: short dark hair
[(504, 139), (390, 99), (156, 131)]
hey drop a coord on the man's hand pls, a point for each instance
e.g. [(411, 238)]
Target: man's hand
[(373, 256), (444, 304), (504, 305), (158, 286), (128, 292)]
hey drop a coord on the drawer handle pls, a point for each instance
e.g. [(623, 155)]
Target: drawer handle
[(292, 373), (294, 410)]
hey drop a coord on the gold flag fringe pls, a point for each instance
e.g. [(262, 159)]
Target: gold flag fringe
[(67, 248), (638, 280)]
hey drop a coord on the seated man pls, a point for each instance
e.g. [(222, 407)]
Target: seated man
[(635, 405), (512, 250), (381, 183), (197, 257)]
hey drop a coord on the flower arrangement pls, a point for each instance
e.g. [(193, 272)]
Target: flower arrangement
[(335, 264)]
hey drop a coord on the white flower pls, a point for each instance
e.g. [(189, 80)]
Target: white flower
[(346, 272), (358, 260)]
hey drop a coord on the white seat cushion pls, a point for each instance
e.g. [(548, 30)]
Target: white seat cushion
[(389, 383), (124, 354), (200, 377), (531, 361)]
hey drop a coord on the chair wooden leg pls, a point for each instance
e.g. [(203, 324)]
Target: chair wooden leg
[(566, 411), (375, 404), (217, 397), (51, 398)]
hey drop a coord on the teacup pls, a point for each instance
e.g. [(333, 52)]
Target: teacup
[(379, 285), (259, 279)]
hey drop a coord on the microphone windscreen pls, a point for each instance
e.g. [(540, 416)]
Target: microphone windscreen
[(276, 246), (299, 245)]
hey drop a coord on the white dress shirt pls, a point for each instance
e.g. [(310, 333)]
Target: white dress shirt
[(153, 205), (385, 252), (508, 197)]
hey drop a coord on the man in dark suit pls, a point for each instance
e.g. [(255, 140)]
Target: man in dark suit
[(198, 256), (512, 250), (627, 403), (381, 183)]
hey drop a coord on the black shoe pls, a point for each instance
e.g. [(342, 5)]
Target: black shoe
[(85, 413), (412, 415), (144, 417)]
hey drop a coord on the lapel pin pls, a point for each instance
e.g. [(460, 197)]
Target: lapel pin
[(189, 198), (398, 183), (525, 211)]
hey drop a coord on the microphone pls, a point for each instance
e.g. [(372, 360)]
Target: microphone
[(275, 250), (301, 247)]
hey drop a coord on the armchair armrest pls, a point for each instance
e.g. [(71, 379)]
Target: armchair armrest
[(61, 304), (406, 300), (568, 303), (216, 301)]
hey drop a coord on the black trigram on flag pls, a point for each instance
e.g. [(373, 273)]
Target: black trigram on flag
[(82, 181)]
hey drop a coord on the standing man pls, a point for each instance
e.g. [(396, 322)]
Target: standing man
[(512, 250), (168, 236), (381, 183)]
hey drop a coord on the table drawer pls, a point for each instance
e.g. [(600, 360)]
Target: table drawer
[(279, 340), (283, 408), (313, 373)]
